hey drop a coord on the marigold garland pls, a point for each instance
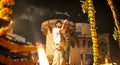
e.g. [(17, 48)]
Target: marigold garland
[(116, 31), (15, 47), (8, 2), (6, 14), (89, 9), (9, 61), (4, 30)]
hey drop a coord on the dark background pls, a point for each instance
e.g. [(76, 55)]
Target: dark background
[(29, 14)]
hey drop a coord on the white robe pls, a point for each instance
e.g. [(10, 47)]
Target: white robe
[(59, 47)]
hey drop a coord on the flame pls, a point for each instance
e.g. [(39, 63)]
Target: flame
[(42, 56)]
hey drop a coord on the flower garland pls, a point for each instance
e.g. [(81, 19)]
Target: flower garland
[(84, 6), (15, 47), (9, 61), (89, 8), (116, 31), (6, 15), (91, 16)]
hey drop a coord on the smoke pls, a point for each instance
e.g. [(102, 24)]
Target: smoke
[(32, 13), (27, 21), (28, 18), (63, 13)]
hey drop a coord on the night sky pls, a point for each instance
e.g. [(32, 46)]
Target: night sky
[(29, 14)]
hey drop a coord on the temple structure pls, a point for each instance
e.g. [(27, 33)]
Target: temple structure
[(80, 51), (80, 47)]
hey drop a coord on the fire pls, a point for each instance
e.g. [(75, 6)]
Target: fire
[(42, 56)]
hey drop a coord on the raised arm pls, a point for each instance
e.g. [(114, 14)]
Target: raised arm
[(64, 23)]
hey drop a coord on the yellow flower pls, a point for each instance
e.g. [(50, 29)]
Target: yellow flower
[(1, 5), (5, 11), (8, 2)]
